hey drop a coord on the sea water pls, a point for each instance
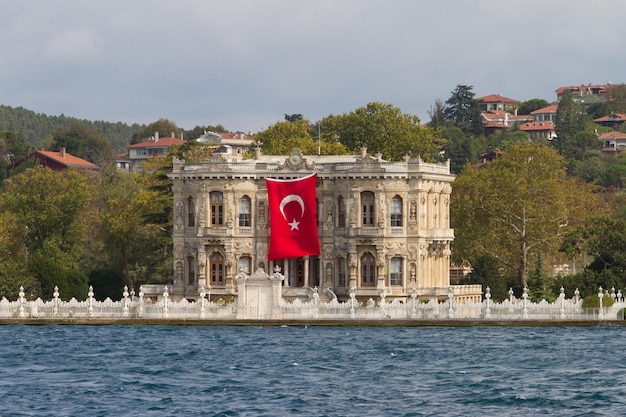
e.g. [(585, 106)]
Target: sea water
[(55, 370)]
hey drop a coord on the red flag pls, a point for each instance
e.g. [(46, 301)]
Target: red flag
[(293, 219)]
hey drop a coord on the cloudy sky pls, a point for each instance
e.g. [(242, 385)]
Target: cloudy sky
[(245, 63)]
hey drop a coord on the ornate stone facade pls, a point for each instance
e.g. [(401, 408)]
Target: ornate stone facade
[(382, 225)]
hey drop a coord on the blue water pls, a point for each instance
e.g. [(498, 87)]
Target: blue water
[(311, 371)]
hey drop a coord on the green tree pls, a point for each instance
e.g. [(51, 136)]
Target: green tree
[(531, 105), (516, 206), (437, 115), (383, 128), (458, 148), (589, 169), (603, 239), (198, 131), (539, 282), (486, 270), (83, 142), (282, 137), (583, 142), (615, 174), (165, 128), (13, 259), (50, 208), (570, 120), (616, 98), (128, 238), (293, 117), (464, 111), (278, 138)]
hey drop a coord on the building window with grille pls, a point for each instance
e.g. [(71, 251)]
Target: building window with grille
[(396, 212), (191, 212), (367, 208), (217, 208), (244, 212), (191, 270), (341, 213), (395, 271), (217, 268), (341, 272), (368, 270)]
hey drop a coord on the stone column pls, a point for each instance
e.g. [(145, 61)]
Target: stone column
[(287, 273), (201, 266), (306, 271), (380, 269), (352, 267)]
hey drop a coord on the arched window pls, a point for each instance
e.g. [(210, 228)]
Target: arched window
[(217, 208), (368, 270), (217, 268), (396, 211), (395, 271), (367, 208), (191, 212), (341, 213), (191, 270), (244, 211), (341, 272)]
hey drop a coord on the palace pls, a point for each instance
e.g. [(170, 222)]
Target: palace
[(383, 226)]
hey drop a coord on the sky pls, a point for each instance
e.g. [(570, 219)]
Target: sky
[(244, 64)]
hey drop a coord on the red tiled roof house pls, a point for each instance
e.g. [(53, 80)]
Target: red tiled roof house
[(59, 161)]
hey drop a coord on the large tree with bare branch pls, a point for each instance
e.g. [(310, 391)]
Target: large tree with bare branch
[(517, 206)]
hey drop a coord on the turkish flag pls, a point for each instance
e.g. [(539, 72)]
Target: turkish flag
[(293, 219)]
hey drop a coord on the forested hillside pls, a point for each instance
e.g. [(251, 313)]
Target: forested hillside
[(34, 128)]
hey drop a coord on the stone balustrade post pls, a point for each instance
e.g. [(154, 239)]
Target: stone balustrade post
[(125, 302), (165, 303), (22, 301), (90, 295), (488, 303), (55, 309)]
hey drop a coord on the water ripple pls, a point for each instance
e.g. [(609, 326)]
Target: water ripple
[(310, 371)]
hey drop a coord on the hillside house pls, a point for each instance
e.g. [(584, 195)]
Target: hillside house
[(239, 143), (59, 161), (149, 148), (614, 142)]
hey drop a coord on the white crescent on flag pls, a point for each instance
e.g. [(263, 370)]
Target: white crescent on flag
[(290, 199)]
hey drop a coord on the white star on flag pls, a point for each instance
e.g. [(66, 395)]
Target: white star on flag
[(294, 224)]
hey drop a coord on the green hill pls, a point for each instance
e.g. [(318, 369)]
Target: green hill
[(36, 127)]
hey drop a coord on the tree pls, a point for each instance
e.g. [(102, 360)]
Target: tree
[(517, 206), (604, 240), (198, 131), (531, 105), (293, 117), (165, 127), (13, 257), (583, 142), (124, 205), (463, 110), (50, 209), (383, 128), (486, 272), (437, 114), (282, 137), (458, 149), (570, 119), (84, 143), (616, 98)]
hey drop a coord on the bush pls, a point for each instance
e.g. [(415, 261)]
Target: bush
[(593, 301)]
